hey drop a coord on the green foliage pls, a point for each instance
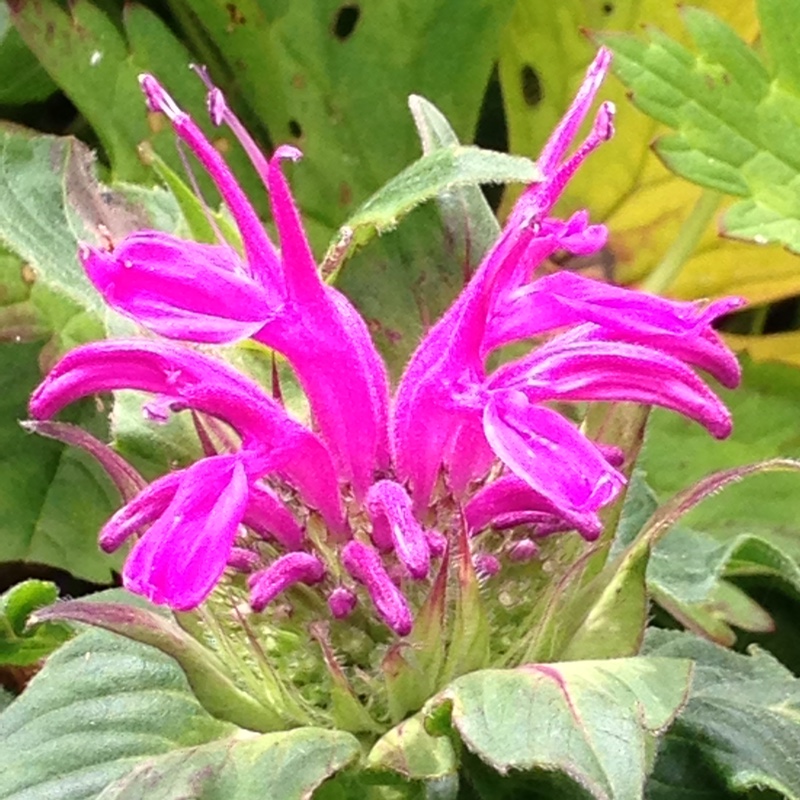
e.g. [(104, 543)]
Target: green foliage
[(440, 170), (101, 704), (735, 115), (95, 55), (741, 720), (558, 717), (18, 645), (408, 750), (209, 678), (677, 454), (468, 220), (54, 498), (288, 765), (24, 79)]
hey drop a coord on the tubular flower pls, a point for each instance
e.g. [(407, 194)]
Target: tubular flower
[(393, 487)]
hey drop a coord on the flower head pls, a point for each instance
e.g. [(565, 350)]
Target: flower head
[(363, 503)]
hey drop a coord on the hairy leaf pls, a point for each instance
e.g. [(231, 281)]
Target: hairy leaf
[(560, 717)]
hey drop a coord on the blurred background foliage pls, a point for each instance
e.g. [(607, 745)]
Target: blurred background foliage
[(333, 77)]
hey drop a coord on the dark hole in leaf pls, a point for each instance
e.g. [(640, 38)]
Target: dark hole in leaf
[(295, 129), (608, 8), (491, 132), (346, 20), (236, 17), (531, 86)]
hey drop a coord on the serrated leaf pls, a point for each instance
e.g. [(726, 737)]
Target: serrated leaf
[(735, 119), (288, 765), (100, 705), (741, 719), (19, 645), (558, 717), (542, 58)]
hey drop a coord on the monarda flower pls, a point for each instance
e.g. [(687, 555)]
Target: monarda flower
[(365, 504)]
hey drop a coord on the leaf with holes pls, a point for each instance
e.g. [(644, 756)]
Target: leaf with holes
[(742, 721), (100, 705), (542, 59), (560, 718), (735, 119), (341, 98)]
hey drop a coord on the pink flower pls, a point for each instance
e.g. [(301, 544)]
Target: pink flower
[(461, 448)]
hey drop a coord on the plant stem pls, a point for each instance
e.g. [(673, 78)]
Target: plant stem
[(692, 229)]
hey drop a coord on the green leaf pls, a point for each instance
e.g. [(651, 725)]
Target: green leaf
[(288, 765), (52, 201), (53, 498), (100, 705), (678, 453), (19, 645), (22, 79), (741, 719), (735, 119), (559, 717), (95, 52), (438, 171), (469, 221), (686, 577), (210, 680), (409, 751)]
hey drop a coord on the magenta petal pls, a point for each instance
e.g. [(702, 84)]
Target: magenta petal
[(469, 456), (188, 379), (509, 501), (262, 258), (561, 138), (389, 508), (566, 299), (328, 344), (143, 509), (705, 350), (365, 565), (183, 555), (266, 584), (179, 289), (575, 369), (453, 352), (268, 515), (550, 454)]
